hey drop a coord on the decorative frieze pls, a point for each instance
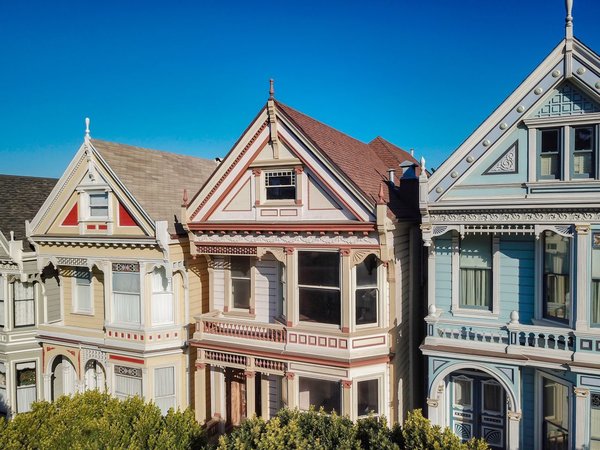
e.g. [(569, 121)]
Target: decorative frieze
[(227, 250), (128, 371), (515, 217), (287, 239), (73, 262)]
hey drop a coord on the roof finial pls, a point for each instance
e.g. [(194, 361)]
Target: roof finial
[(423, 162), (271, 88), (381, 199), (569, 20), (87, 127), (185, 202)]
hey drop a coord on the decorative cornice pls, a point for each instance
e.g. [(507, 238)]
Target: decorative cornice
[(287, 239), (531, 216), (581, 392)]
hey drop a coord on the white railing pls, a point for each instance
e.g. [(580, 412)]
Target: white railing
[(208, 324)]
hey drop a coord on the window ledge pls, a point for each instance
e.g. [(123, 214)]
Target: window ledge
[(238, 313), (272, 203), (475, 313), (83, 313)]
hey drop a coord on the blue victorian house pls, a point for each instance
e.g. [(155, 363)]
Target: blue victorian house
[(511, 222)]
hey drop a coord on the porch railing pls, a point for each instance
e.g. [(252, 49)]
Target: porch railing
[(209, 324)]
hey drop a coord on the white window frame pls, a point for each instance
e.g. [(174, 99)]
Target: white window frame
[(316, 377), (462, 378), (35, 385), (173, 396), (380, 394), (85, 212), (229, 301), (76, 306), (281, 172), (119, 322), (492, 382), (14, 309), (455, 293)]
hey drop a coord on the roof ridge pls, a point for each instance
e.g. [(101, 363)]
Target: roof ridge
[(8, 175)]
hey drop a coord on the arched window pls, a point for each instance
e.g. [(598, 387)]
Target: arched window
[(95, 377)]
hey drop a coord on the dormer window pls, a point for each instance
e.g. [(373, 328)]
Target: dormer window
[(280, 185), (98, 204)]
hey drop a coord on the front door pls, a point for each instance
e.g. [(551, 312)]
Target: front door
[(478, 408), (235, 382)]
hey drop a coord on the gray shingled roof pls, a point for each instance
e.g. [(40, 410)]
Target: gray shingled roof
[(20, 200), (157, 179)]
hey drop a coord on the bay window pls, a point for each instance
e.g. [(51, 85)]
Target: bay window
[(164, 388), (241, 282), (320, 393), (162, 297), (82, 291), (126, 293), (128, 382), (319, 287), (366, 294), (556, 282), (555, 410), (476, 272), (24, 304)]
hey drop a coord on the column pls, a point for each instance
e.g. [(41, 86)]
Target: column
[(47, 386), (431, 274), (582, 276), (347, 398), (514, 423), (265, 395), (432, 411), (250, 393), (292, 391), (218, 392), (291, 273), (200, 392), (581, 416), (345, 285)]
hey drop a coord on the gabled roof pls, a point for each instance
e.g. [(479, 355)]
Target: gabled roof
[(364, 164), (155, 178), (20, 199)]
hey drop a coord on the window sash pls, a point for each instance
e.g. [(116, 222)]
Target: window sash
[(164, 388), (475, 288), (98, 204), (366, 305), (320, 305), (83, 290), (556, 279), (367, 397), (320, 393), (126, 386), (555, 410)]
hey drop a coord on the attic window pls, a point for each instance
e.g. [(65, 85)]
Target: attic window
[(99, 204), (280, 185)]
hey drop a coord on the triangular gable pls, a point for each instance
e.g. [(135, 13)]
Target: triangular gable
[(89, 200), (547, 83), (233, 192)]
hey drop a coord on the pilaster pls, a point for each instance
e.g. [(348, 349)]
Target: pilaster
[(582, 396), (514, 425), (582, 279), (200, 392), (347, 398), (345, 284), (265, 395), (250, 393)]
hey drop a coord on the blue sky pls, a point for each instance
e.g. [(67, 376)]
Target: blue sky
[(188, 76)]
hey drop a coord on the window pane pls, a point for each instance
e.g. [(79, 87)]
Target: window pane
[(549, 166), (320, 393), (26, 386), (550, 140), (368, 397), (126, 282), (99, 199), (476, 252), (240, 266), (493, 397), (319, 269), (556, 276), (320, 305), (462, 392), (280, 185), (582, 163), (240, 291), (476, 288), (584, 138), (23, 291), (366, 306), (366, 272)]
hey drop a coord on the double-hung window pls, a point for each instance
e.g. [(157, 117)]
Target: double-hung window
[(26, 386), (550, 153), (98, 204), (126, 293), (162, 298), (324, 394), (280, 185), (319, 287), (164, 388), (83, 290), (24, 304), (128, 382), (367, 397), (583, 145), (556, 282), (366, 291), (475, 289), (241, 282)]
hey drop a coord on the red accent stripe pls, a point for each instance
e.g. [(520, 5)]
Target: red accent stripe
[(126, 359)]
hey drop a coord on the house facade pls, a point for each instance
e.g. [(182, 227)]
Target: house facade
[(511, 224), (23, 290), (310, 247), (121, 314)]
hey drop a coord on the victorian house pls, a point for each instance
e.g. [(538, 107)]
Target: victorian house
[(511, 222), (111, 232), (309, 242), (23, 290)]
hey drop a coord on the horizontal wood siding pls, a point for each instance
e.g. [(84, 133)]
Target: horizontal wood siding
[(517, 277), (52, 289), (443, 273), (218, 286), (266, 289)]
